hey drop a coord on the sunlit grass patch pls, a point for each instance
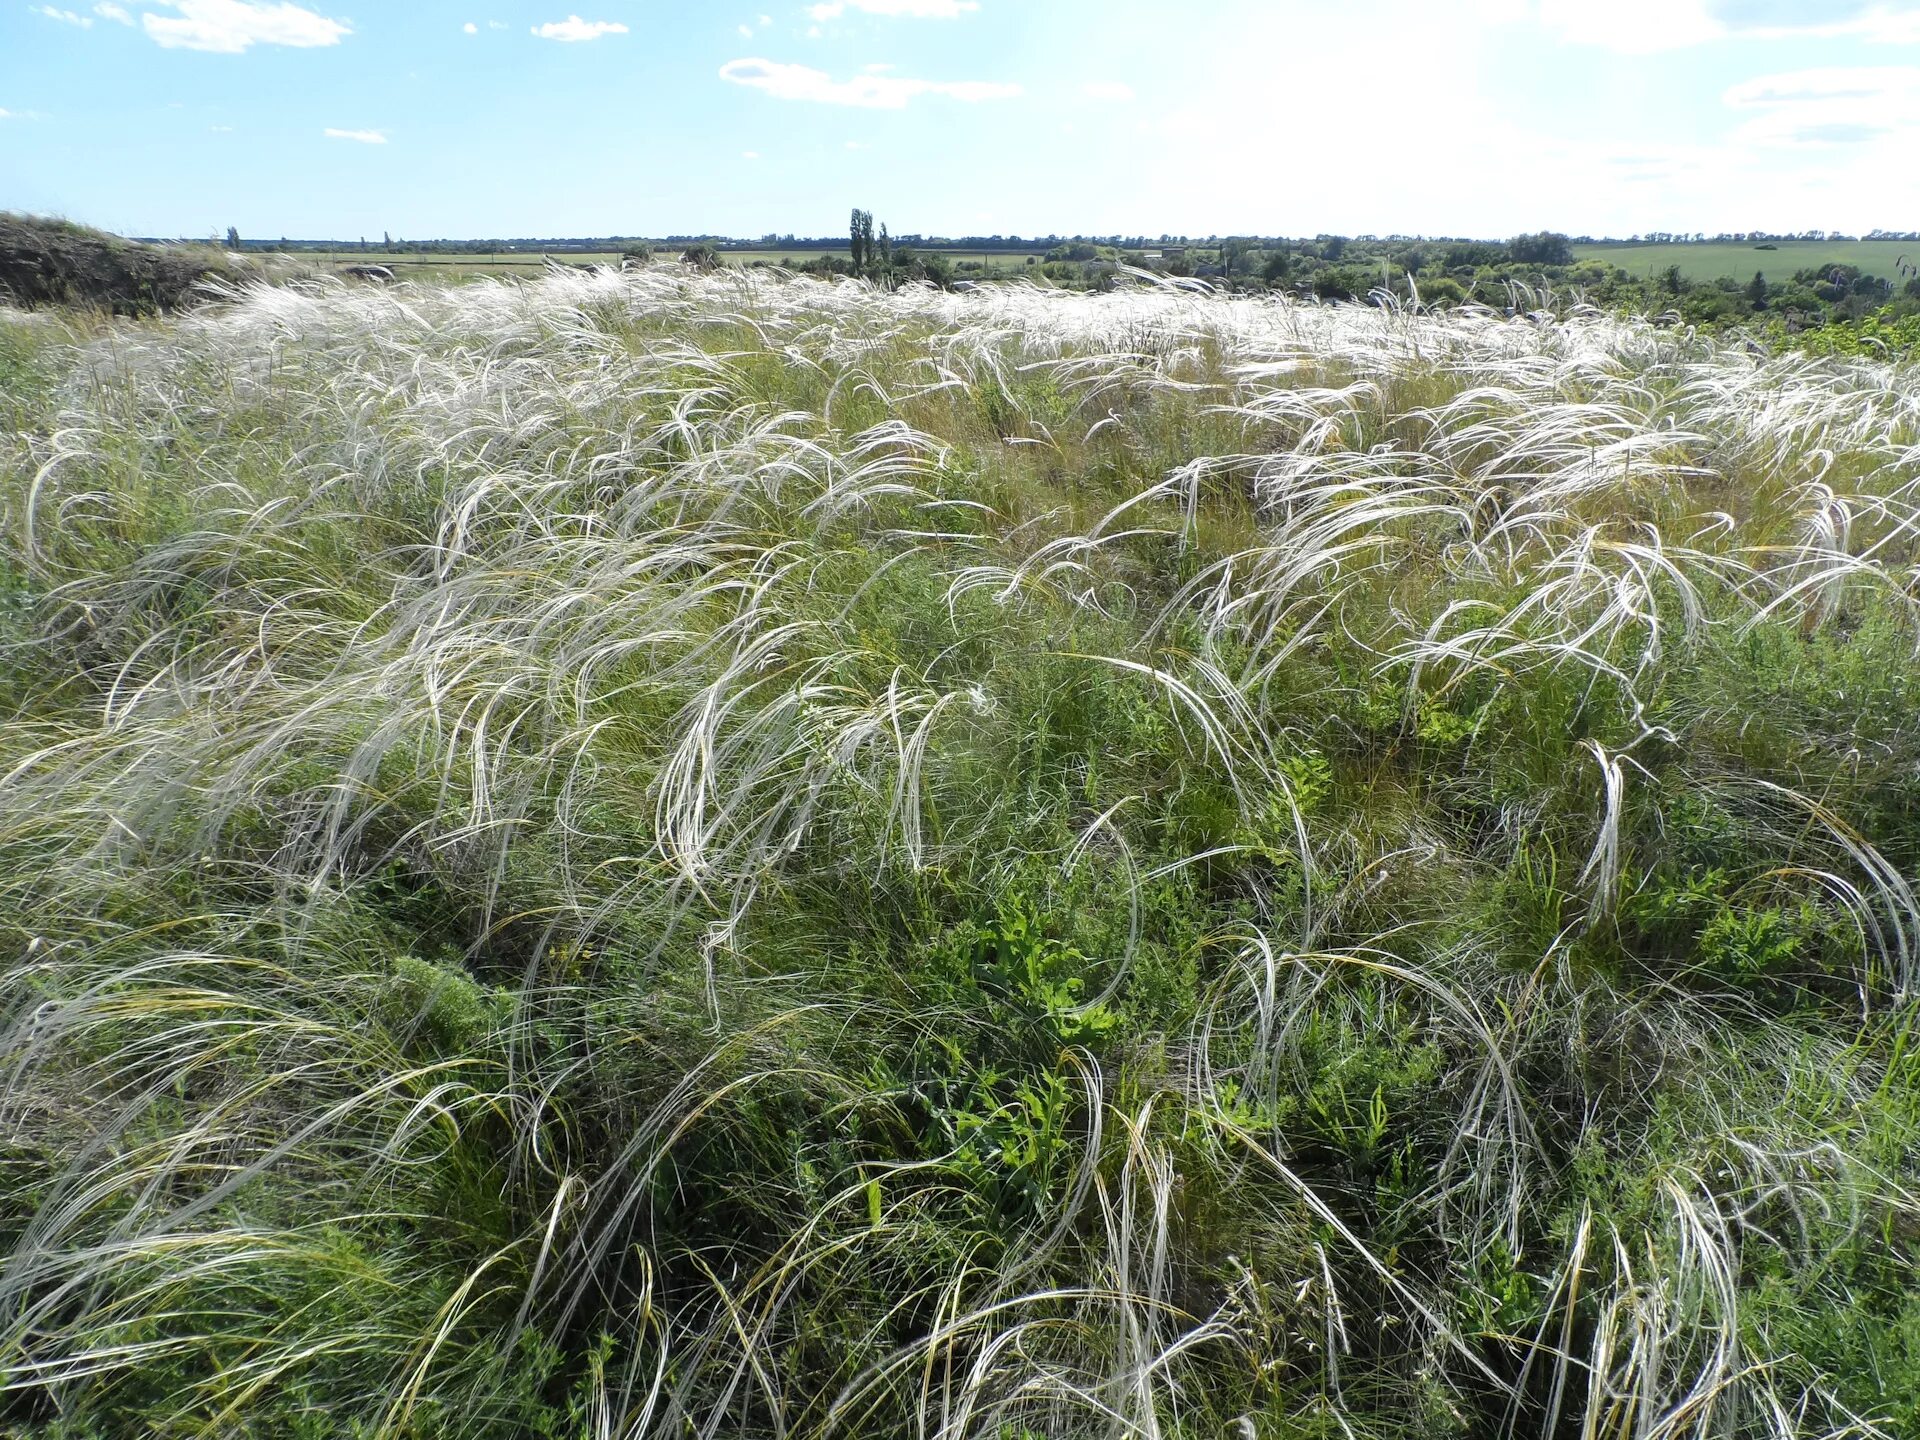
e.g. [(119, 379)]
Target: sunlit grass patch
[(657, 854)]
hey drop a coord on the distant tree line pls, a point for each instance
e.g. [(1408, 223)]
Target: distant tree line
[(1525, 270), (1522, 247)]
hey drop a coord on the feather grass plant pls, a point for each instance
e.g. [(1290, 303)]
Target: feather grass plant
[(660, 854)]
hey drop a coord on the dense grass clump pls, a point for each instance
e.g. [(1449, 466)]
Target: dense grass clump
[(667, 855)]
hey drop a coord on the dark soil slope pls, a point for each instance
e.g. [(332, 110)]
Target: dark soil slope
[(54, 262)]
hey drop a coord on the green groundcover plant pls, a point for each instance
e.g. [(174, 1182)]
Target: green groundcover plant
[(664, 854)]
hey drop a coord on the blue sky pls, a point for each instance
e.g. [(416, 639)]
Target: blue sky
[(521, 117)]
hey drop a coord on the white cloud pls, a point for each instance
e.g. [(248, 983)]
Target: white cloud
[(1865, 83), (765, 21), (1881, 27), (870, 92), (1818, 20), (362, 137), (116, 13), (749, 154), (220, 129), (1114, 90), (858, 145), (1821, 109), (230, 27), (471, 28), (746, 31), (1644, 26), (498, 25), (573, 29), (65, 17), (915, 9), (1633, 27)]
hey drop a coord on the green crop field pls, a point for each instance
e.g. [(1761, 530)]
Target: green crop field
[(646, 855), (1740, 262), (479, 261)]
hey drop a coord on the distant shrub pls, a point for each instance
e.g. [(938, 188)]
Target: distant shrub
[(1442, 291), (1344, 282), (828, 265), (1545, 248)]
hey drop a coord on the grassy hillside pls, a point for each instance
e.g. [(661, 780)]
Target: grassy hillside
[(656, 855), (54, 262), (1707, 263)]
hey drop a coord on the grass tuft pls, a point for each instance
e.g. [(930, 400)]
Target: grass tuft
[(648, 853)]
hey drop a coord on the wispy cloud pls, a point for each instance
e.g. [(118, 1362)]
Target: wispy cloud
[(220, 129), (361, 137), (749, 154), (1643, 26), (1876, 23), (1115, 91), (231, 27), (65, 17), (1819, 109), (1840, 85), (573, 29), (914, 9), (116, 13), (870, 92), (470, 28)]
